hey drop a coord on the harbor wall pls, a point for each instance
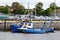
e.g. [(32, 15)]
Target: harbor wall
[(5, 24), (39, 24)]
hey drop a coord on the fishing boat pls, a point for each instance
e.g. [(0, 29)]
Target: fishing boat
[(27, 27)]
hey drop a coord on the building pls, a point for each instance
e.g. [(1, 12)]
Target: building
[(58, 11)]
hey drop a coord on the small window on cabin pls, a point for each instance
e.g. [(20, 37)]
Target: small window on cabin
[(25, 23), (29, 24), (24, 26)]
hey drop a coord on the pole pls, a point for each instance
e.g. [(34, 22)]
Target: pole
[(35, 11), (35, 8), (4, 25), (28, 7)]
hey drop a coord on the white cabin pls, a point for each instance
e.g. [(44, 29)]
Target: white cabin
[(27, 25)]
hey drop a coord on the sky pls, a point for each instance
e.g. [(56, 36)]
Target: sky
[(32, 3)]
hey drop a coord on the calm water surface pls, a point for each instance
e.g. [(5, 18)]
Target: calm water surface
[(20, 36)]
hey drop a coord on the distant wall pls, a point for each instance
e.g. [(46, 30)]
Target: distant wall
[(7, 26), (55, 24)]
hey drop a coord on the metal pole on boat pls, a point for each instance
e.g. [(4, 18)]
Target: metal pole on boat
[(28, 7), (45, 22), (35, 8), (35, 11)]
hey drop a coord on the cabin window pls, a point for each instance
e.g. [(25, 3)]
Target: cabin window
[(29, 24), (24, 26), (25, 23)]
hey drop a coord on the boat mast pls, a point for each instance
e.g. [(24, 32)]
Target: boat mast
[(35, 9), (54, 8), (28, 7)]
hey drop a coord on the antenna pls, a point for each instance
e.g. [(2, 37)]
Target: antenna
[(28, 7), (35, 10)]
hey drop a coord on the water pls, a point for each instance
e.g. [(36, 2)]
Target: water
[(20, 36)]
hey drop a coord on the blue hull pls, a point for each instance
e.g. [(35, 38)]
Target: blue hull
[(50, 30), (14, 28), (34, 31)]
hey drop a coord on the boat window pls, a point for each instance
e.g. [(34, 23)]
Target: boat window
[(29, 24), (24, 26), (25, 23)]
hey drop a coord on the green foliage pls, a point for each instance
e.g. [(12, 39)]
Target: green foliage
[(39, 5), (48, 12), (4, 9), (17, 8), (53, 6), (20, 9), (39, 8), (15, 4)]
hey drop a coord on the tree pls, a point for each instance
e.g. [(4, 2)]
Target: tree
[(38, 8), (4, 9), (18, 8), (9, 9), (48, 12), (15, 5), (53, 6)]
